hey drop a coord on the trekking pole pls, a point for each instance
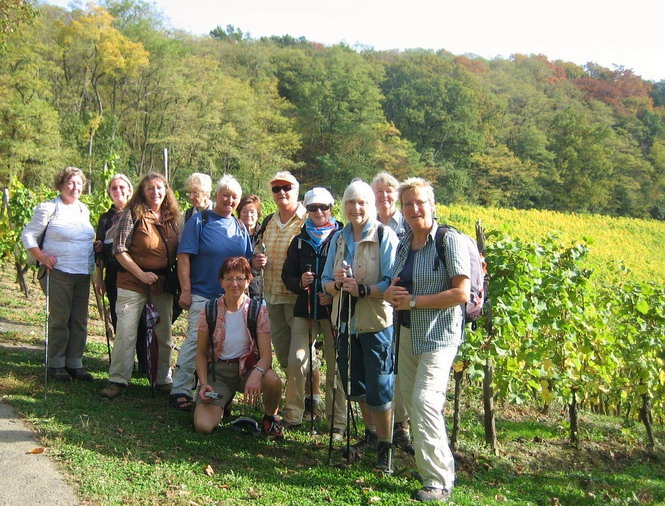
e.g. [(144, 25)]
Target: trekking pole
[(349, 412), (308, 268), (103, 312), (336, 335), (262, 270), (396, 335), (46, 319)]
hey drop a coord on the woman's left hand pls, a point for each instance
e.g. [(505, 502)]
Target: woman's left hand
[(252, 391), (397, 296), (98, 246)]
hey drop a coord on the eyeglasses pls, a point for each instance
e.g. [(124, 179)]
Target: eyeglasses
[(285, 188), (312, 208), (236, 279)]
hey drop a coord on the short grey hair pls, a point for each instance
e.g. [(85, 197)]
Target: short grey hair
[(199, 181), (228, 182), (360, 190), (385, 179)]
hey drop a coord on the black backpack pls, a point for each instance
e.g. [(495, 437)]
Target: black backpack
[(252, 318)]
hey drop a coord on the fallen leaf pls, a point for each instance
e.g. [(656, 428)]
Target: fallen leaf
[(374, 499), (209, 470), (37, 450), (500, 498)]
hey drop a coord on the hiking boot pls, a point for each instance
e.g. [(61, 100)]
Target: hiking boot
[(113, 390), (338, 434), (367, 442), (59, 373), (311, 406), (432, 494), (384, 459), (272, 427), (402, 438), (79, 374)]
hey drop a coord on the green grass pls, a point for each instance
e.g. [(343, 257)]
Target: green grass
[(137, 450)]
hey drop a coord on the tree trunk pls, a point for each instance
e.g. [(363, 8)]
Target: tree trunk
[(458, 376), (572, 413), (647, 420), (488, 403)]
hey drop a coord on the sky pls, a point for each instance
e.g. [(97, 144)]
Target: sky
[(627, 34)]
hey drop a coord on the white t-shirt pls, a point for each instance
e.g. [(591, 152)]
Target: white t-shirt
[(236, 340)]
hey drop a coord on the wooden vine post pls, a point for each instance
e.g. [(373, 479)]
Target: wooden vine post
[(488, 390)]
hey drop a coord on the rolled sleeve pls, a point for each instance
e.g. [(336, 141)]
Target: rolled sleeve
[(125, 231), (456, 254)]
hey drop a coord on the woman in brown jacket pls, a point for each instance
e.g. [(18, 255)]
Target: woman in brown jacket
[(146, 251)]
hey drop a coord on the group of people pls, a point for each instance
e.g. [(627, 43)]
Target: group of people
[(375, 289)]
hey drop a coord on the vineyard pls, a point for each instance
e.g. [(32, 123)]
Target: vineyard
[(576, 320)]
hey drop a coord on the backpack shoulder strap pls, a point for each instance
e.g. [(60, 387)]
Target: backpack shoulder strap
[(204, 217), (379, 232), (264, 225), (440, 234), (253, 317), (211, 319)]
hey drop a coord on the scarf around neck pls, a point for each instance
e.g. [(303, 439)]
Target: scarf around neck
[(319, 234)]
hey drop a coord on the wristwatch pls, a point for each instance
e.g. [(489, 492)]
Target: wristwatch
[(412, 302)]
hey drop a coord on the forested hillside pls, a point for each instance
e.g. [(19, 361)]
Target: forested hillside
[(111, 84)]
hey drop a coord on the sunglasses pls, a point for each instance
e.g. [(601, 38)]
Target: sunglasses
[(312, 208), (285, 188)]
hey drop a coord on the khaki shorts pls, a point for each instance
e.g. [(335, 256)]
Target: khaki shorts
[(226, 381)]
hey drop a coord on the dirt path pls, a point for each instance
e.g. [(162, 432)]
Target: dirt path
[(28, 478)]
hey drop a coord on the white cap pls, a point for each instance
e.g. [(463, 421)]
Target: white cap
[(319, 195)]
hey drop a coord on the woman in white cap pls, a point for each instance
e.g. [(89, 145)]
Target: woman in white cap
[(301, 274)]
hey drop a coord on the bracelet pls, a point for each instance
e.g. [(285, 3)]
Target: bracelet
[(260, 369)]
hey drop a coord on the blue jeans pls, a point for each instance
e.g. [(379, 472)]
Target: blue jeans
[(372, 371)]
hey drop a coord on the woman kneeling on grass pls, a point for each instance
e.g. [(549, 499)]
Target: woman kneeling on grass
[(232, 358)]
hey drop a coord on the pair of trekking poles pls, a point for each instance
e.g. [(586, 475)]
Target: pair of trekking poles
[(346, 300)]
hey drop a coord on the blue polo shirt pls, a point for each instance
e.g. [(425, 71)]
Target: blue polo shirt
[(209, 245)]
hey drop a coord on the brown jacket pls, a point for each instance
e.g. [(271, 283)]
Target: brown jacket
[(149, 251)]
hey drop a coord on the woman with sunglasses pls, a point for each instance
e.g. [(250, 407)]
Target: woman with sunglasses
[(301, 274)]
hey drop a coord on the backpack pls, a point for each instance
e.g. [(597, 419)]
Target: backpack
[(252, 318), (473, 309)]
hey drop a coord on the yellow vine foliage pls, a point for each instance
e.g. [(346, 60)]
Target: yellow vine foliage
[(638, 245)]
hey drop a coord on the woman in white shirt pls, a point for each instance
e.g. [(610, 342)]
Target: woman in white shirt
[(66, 253)]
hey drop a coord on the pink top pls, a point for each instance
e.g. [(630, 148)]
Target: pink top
[(219, 335)]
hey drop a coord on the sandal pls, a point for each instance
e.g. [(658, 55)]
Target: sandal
[(181, 402)]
